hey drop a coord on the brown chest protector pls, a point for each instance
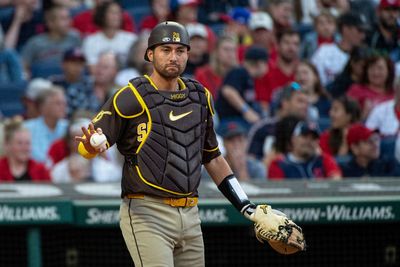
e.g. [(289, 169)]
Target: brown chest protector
[(170, 155)]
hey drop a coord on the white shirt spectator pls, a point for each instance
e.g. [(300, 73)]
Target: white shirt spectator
[(97, 43), (330, 61), (383, 118), (100, 170)]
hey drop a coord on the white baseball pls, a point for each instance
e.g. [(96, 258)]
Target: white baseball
[(98, 140)]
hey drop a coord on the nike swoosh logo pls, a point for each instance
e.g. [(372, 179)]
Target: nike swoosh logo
[(173, 117)]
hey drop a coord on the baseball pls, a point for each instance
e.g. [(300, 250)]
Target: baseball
[(97, 140)]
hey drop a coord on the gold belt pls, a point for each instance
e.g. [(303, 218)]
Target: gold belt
[(173, 202)]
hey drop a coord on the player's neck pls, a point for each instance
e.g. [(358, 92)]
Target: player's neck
[(164, 84)]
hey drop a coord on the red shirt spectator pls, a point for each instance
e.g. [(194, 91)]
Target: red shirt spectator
[(58, 151), (211, 80), (274, 79), (35, 172), (367, 97), (84, 23)]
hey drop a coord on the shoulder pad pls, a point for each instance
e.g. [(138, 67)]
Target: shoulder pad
[(126, 103)]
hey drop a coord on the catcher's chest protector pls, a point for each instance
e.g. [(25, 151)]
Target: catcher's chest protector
[(171, 155)]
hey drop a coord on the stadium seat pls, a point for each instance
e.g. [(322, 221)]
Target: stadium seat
[(126, 4), (138, 13), (10, 98), (44, 70), (388, 145), (324, 123)]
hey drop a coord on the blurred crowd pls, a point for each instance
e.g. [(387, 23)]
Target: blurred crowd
[(302, 88)]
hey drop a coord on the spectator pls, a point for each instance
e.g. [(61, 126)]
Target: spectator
[(108, 17), (376, 85), (308, 78), (10, 63), (262, 34), (351, 74), (85, 22), (365, 148), (77, 86), (292, 102), (236, 27), (324, 33), (135, 65), (235, 142), (343, 113), (283, 70), (160, 11), (186, 12), (25, 22), (384, 36), (18, 165), (330, 59), (42, 55), (73, 169), (198, 55), (105, 73), (282, 14), (236, 100), (222, 60), (30, 99), (385, 117), (50, 125), (301, 158)]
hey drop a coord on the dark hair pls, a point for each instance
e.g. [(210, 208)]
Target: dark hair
[(356, 54), (352, 108), (285, 32), (318, 88), (99, 17), (391, 72), (283, 133)]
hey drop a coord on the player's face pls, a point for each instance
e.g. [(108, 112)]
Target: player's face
[(169, 60)]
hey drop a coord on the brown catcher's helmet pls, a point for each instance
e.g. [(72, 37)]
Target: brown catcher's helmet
[(168, 32)]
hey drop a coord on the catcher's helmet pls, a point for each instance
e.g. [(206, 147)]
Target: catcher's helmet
[(168, 32)]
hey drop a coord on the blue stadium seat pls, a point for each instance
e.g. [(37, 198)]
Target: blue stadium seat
[(324, 124), (10, 98), (45, 71), (387, 147), (138, 13), (126, 4)]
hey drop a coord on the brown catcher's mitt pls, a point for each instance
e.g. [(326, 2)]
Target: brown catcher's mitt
[(281, 233)]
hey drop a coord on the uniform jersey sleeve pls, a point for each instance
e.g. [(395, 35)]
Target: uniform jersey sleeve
[(113, 115), (210, 149)]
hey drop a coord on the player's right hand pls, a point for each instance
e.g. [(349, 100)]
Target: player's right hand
[(85, 139)]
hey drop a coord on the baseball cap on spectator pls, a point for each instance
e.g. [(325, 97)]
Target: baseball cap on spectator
[(232, 129), (260, 20), (305, 128), (358, 132), (240, 15), (74, 54), (256, 53), (389, 4), (197, 29), (36, 87), (353, 19)]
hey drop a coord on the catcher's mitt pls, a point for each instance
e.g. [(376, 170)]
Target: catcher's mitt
[(281, 233)]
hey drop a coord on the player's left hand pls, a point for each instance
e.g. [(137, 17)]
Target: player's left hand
[(281, 233)]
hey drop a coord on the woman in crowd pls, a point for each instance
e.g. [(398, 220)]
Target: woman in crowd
[(376, 84), (108, 17), (343, 113), (17, 164), (307, 76)]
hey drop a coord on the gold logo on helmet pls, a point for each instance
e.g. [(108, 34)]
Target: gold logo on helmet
[(176, 37)]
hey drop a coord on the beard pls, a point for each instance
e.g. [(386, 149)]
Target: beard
[(388, 26), (167, 73)]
